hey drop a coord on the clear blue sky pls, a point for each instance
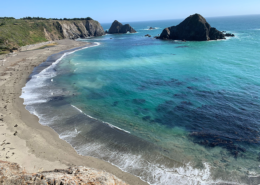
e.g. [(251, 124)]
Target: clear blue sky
[(106, 11)]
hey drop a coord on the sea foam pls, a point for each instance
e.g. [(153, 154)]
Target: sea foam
[(112, 126)]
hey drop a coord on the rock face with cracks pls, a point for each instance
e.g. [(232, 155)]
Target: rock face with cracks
[(12, 173)]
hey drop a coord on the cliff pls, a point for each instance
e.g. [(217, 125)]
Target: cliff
[(16, 33), (118, 27), (193, 28), (12, 173)]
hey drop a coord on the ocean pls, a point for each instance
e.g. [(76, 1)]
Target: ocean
[(169, 112)]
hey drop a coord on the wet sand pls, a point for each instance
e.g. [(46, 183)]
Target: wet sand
[(22, 139)]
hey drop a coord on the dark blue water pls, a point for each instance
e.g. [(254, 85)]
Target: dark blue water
[(170, 112)]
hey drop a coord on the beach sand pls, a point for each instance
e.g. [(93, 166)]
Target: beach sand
[(22, 139)]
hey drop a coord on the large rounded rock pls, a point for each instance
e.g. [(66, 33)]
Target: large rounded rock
[(118, 27), (193, 28)]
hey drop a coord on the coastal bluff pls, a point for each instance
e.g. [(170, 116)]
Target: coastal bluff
[(193, 28), (118, 27), (77, 29), (17, 32), (12, 173)]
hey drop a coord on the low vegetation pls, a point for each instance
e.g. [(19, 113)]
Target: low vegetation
[(15, 33), (42, 18)]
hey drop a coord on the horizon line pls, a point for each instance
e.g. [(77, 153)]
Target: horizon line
[(182, 18)]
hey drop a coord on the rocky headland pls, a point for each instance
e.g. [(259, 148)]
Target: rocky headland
[(28, 32), (118, 27), (12, 173), (77, 29), (193, 28)]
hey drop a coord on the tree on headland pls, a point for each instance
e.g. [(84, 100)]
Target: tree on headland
[(42, 18), (7, 18), (33, 18)]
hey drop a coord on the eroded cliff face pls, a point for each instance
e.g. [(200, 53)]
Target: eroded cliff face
[(17, 33), (12, 173), (75, 29)]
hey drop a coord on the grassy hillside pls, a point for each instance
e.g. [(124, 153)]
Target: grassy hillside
[(15, 33)]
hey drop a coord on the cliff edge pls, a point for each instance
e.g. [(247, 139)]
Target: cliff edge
[(12, 173), (16, 33), (193, 28)]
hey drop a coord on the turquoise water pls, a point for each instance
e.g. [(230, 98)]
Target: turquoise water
[(169, 112)]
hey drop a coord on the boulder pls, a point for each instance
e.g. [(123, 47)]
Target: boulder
[(193, 28), (151, 28), (229, 35), (147, 35), (118, 27)]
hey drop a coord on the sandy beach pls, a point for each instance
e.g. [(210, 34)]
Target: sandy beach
[(22, 139)]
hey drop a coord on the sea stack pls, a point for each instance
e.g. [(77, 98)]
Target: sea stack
[(193, 28), (118, 27)]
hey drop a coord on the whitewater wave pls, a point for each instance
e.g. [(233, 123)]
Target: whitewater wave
[(32, 96), (155, 28), (112, 126), (150, 170)]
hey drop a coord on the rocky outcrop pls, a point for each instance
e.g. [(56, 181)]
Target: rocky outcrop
[(12, 173), (79, 29), (118, 27), (73, 29), (193, 28), (229, 35)]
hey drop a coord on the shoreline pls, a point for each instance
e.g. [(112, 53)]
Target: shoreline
[(37, 147)]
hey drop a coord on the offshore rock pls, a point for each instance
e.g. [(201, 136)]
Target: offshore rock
[(193, 28), (12, 173), (118, 27), (229, 35)]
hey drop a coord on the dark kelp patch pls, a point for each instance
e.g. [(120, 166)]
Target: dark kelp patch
[(155, 83), (218, 124)]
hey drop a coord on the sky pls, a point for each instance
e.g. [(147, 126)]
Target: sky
[(106, 11)]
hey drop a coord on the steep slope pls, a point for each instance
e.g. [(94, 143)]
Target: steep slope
[(17, 33)]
